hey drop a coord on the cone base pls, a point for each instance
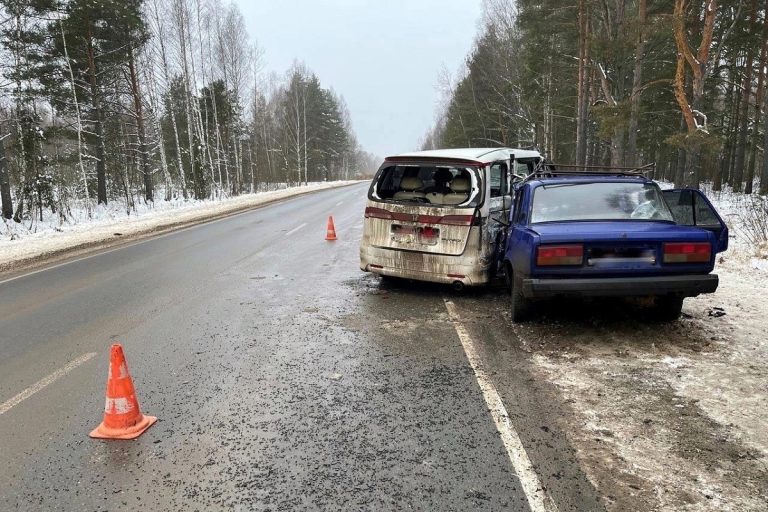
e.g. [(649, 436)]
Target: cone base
[(330, 238), (132, 432)]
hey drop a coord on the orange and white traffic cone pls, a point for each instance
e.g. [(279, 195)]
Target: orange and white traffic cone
[(122, 417), (331, 231)]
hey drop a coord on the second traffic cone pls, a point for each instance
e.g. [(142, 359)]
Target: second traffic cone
[(331, 232), (122, 417)]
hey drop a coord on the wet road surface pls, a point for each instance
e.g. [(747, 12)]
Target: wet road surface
[(283, 378)]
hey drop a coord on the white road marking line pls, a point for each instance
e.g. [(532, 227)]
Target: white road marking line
[(538, 501), (340, 203), (295, 229), (45, 381)]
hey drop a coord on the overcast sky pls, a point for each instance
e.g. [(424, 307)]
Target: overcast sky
[(383, 56)]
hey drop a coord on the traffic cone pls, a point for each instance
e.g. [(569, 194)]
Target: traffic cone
[(122, 416), (331, 232)]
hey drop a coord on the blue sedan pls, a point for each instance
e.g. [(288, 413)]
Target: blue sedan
[(610, 235)]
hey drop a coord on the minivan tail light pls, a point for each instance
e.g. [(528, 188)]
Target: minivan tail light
[(457, 220), (547, 255), (687, 252), (377, 213)]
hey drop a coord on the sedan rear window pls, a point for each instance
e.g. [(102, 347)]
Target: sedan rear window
[(429, 185), (599, 201)]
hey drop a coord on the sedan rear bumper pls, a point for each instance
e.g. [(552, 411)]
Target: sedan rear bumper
[(684, 286)]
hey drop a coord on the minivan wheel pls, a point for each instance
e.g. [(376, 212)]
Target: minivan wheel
[(667, 308), (521, 308)]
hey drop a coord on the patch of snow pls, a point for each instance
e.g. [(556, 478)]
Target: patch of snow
[(675, 362), (35, 239)]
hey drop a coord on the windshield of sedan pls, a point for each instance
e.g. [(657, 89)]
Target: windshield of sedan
[(599, 201), (429, 185)]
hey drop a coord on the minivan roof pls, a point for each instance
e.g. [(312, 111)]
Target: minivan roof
[(478, 155)]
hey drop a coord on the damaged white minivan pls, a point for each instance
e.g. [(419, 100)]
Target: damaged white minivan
[(441, 216)]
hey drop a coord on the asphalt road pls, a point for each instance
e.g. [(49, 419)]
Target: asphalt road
[(283, 378)]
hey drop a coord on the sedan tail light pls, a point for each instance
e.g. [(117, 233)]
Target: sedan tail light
[(687, 252), (548, 255)]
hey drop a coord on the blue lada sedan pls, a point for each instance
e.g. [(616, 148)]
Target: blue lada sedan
[(578, 234)]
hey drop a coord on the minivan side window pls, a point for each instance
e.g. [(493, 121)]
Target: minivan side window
[(498, 179)]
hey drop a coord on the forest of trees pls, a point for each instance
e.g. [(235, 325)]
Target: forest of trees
[(147, 100), (620, 82)]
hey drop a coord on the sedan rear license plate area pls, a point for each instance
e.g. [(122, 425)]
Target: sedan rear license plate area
[(621, 256)]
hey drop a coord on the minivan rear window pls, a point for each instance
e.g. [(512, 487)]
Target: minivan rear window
[(428, 185)]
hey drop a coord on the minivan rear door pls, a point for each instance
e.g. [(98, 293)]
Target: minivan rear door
[(424, 205), (429, 229)]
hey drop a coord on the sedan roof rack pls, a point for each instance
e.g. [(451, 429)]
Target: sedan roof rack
[(550, 169)]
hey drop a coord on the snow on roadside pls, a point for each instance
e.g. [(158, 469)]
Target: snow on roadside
[(19, 243), (672, 416)]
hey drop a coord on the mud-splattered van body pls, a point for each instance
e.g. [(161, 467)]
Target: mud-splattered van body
[(440, 216)]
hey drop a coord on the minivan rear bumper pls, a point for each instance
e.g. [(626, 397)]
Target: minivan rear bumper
[(434, 268), (684, 286)]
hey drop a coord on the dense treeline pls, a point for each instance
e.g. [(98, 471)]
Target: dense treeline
[(622, 82), (125, 99)]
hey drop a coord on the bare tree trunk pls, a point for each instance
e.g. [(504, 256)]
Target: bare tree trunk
[(298, 137), (181, 25), (157, 128), (582, 105), (101, 171), (764, 173), (141, 132), (752, 164), (725, 155), (207, 147), (306, 170), (78, 119), (741, 140), (251, 165), (699, 66), (22, 158), (171, 113), (637, 81), (5, 185)]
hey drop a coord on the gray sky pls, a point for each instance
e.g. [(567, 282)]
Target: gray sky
[(383, 56)]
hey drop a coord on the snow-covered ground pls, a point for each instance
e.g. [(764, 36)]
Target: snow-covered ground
[(673, 416), (32, 241)]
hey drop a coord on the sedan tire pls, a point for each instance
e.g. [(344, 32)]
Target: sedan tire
[(668, 308), (521, 308)]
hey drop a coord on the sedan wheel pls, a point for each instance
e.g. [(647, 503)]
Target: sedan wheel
[(668, 308), (521, 308)]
